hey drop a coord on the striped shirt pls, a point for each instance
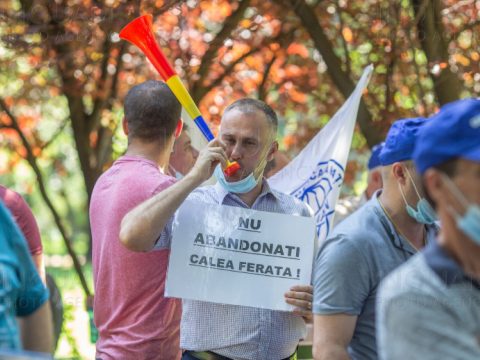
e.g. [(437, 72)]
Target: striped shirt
[(240, 332)]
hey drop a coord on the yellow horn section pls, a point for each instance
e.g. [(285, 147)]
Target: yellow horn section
[(177, 87)]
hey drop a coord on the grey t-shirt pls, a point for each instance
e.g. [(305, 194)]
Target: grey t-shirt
[(429, 309), (350, 264)]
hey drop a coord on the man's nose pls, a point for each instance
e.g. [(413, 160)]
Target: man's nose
[(236, 153)]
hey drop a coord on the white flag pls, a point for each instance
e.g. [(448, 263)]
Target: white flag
[(315, 176)]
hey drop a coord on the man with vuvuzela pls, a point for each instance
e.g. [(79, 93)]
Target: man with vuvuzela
[(220, 331)]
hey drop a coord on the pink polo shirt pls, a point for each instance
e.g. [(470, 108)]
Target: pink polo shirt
[(134, 319), (23, 217)]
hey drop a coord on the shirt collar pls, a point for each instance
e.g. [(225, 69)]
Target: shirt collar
[(222, 193), (445, 267), (397, 240)]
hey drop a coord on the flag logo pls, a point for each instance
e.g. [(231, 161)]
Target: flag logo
[(326, 177)]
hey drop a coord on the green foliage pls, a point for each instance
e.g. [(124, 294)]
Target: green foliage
[(68, 332)]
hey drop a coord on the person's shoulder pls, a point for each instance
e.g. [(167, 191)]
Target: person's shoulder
[(342, 248), (354, 237), (133, 176), (413, 280), (9, 230), (291, 204), (360, 225), (13, 200), (206, 193)]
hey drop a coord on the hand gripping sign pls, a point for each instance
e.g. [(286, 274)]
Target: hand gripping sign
[(239, 256), (139, 32)]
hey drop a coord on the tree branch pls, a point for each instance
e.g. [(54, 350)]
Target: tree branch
[(334, 66), (344, 43), (33, 164), (166, 6), (228, 26), (465, 28), (421, 10), (201, 92), (94, 118), (55, 135), (431, 33), (262, 93)]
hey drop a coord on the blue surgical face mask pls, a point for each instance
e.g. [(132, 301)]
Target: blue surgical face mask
[(469, 222), (172, 170), (237, 187), (178, 175), (424, 214)]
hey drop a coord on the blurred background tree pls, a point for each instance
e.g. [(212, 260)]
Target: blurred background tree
[(64, 73)]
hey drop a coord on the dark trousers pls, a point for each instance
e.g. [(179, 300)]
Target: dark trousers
[(187, 356)]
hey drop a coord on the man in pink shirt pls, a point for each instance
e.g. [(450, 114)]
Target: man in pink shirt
[(134, 319)]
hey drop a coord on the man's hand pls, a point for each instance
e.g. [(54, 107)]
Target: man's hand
[(301, 296), (142, 226), (207, 161)]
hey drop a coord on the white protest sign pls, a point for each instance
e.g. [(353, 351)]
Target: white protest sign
[(238, 256)]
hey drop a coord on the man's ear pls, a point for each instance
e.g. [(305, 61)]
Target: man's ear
[(434, 185), (272, 151), (125, 125), (399, 173), (377, 178), (178, 129)]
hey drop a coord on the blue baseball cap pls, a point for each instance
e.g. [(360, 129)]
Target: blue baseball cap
[(452, 132), (400, 141), (374, 160)]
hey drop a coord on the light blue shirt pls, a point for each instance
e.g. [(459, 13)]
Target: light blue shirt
[(429, 309), (240, 332), (350, 264), (21, 290)]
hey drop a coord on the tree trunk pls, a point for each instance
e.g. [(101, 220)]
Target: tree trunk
[(431, 34)]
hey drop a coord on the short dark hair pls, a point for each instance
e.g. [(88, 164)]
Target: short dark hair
[(449, 168), (152, 111), (248, 105)]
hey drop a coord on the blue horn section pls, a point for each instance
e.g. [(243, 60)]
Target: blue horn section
[(202, 125)]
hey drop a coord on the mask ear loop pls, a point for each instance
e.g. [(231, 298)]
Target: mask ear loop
[(403, 195), (261, 164), (454, 189), (413, 183), (172, 169), (457, 194)]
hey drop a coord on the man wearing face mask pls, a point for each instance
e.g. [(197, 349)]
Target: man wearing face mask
[(430, 307), (364, 248), (219, 331)]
